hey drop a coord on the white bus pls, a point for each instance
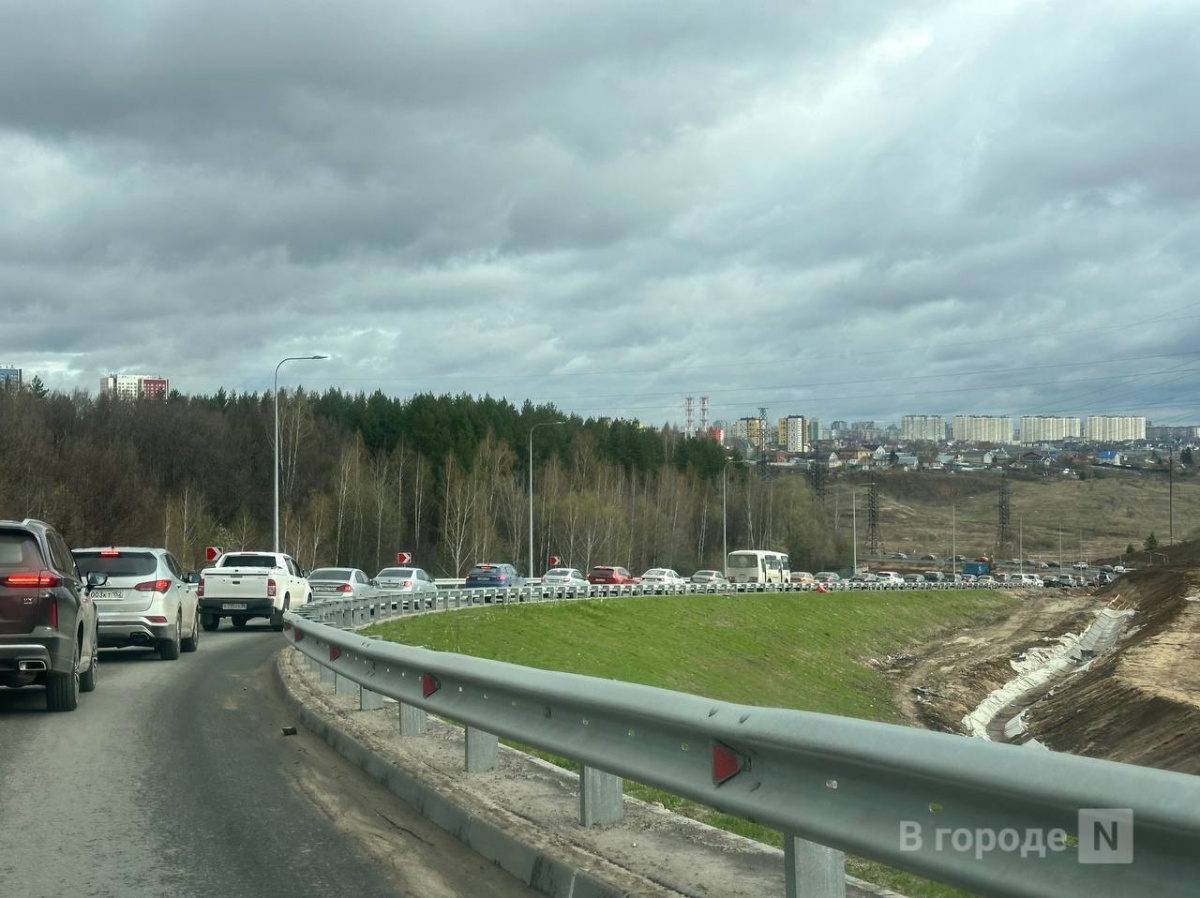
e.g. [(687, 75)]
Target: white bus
[(757, 566)]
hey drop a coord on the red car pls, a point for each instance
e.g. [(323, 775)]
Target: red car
[(607, 573)]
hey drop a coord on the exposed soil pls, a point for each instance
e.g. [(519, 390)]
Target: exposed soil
[(1139, 703)]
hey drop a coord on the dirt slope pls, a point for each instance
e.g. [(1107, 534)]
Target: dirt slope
[(1138, 704)]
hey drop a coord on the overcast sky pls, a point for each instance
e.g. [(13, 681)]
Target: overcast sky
[(850, 210)]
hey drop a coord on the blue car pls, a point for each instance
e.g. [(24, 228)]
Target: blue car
[(494, 576)]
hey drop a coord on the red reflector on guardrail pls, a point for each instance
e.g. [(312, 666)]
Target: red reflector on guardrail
[(429, 684), (334, 653), (726, 763), (287, 625)]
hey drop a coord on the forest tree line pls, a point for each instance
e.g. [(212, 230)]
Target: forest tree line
[(363, 477)]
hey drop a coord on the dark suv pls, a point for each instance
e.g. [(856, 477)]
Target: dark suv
[(48, 626)]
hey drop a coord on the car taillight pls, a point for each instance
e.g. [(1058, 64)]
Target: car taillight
[(200, 589), (54, 613), (33, 579), (154, 586), (345, 587), (405, 584), (271, 587)]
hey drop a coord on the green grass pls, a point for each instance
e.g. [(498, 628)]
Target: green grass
[(808, 652)]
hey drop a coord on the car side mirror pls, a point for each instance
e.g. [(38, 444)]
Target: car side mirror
[(96, 578), (191, 577)]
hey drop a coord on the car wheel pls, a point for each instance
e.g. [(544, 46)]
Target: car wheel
[(62, 690), (210, 622), (239, 621), (87, 681), (193, 642), (277, 616), (168, 649)]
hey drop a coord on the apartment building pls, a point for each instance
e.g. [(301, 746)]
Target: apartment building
[(1049, 429), (982, 428)]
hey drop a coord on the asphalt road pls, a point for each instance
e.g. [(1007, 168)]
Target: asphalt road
[(174, 780)]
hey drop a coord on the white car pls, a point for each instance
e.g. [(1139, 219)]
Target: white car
[(341, 583), (147, 601), (889, 579), (412, 583), (660, 578), (562, 577)]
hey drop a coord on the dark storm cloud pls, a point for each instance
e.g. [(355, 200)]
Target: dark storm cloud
[(849, 210)]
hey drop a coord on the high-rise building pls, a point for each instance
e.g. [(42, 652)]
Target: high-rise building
[(10, 378), (982, 429), (793, 433), (135, 386), (929, 428), (1114, 429), (750, 430), (1049, 429)]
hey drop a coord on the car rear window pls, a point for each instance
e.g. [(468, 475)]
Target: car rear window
[(331, 573), (19, 551), (396, 572), (116, 563), (248, 561)]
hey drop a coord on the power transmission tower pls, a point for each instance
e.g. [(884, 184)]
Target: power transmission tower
[(816, 478), (762, 442), (689, 427), (874, 540), (1004, 539)]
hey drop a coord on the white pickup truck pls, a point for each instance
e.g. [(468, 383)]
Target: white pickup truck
[(242, 585)]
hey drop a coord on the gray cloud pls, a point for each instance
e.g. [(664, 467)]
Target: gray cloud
[(848, 210)]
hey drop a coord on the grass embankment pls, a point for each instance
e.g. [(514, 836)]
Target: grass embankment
[(808, 652)]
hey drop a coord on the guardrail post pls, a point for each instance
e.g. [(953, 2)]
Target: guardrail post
[(483, 750), (369, 700), (343, 685), (412, 720), (601, 797), (812, 870), (327, 675)]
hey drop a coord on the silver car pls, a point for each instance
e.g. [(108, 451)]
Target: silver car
[(147, 601), (340, 583), (412, 583), (564, 577)]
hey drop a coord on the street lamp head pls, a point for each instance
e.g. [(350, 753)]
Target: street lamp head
[(318, 357)]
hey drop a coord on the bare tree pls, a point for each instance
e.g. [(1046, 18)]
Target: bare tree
[(457, 513)]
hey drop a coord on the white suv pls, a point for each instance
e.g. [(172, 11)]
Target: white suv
[(147, 601)]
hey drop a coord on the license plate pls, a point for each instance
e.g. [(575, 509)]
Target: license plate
[(106, 594), (235, 606)]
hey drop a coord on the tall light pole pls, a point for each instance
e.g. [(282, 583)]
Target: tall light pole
[(290, 358), (725, 508), (529, 573)]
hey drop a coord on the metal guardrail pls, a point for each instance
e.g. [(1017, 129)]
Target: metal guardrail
[(452, 594), (994, 819)]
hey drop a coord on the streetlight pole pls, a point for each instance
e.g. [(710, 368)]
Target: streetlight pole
[(531, 430), (275, 393)]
